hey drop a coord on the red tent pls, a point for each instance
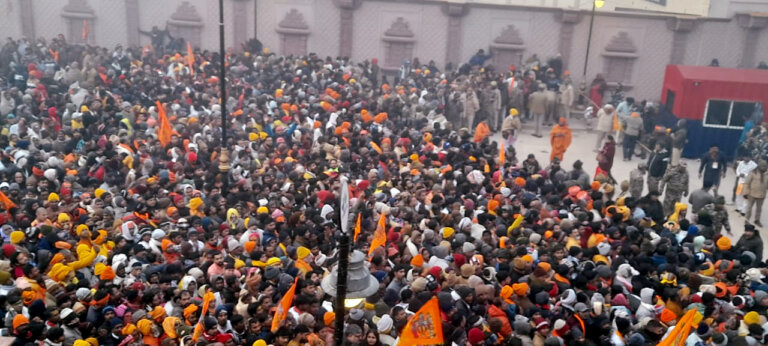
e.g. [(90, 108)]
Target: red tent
[(690, 87), (716, 101)]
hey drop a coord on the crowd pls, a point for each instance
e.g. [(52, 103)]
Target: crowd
[(121, 225)]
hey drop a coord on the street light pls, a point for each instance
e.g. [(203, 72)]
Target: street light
[(224, 157), (595, 4)]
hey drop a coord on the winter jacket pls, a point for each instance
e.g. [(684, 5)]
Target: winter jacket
[(633, 126), (756, 184), (605, 121), (754, 245)]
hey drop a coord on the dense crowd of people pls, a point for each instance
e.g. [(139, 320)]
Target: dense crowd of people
[(121, 224)]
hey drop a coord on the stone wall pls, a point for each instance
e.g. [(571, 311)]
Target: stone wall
[(631, 48)]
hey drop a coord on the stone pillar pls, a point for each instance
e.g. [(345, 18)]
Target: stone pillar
[(568, 20), (346, 25), (240, 23), (27, 13), (132, 21), (681, 27), (455, 13), (752, 23)]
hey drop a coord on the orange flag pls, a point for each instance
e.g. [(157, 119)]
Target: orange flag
[(681, 331), (502, 155), (358, 226), (424, 327), (190, 59), (207, 299), (285, 304), (85, 29), (165, 130), (6, 201), (380, 236)]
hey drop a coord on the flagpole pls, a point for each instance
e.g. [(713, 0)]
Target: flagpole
[(341, 278), (224, 157)]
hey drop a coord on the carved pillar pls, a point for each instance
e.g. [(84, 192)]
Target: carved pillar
[(620, 55), (752, 23), (240, 23), (186, 23), (507, 48), (680, 26), (568, 21), (398, 45), (27, 13), (346, 25), (455, 13), (294, 32), (132, 21), (78, 14)]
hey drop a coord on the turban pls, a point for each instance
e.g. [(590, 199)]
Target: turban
[(520, 289), (189, 310), (158, 313), (724, 243), (28, 296), (195, 203), (144, 326), (81, 343), (108, 274), (19, 320), (63, 218), (17, 237), (417, 261), (59, 271), (302, 252), (80, 228), (506, 293), (129, 329), (329, 317), (53, 197), (169, 326), (99, 192)]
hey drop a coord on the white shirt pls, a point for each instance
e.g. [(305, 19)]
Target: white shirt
[(744, 168)]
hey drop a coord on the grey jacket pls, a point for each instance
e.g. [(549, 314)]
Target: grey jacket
[(633, 126)]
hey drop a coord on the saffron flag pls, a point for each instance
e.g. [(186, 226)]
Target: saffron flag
[(7, 203), (85, 29), (165, 130), (358, 226), (282, 308), (380, 236), (190, 59), (424, 327), (681, 331), (502, 155), (207, 299)]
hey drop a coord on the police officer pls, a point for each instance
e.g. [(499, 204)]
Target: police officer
[(636, 180), (657, 166), (676, 182)]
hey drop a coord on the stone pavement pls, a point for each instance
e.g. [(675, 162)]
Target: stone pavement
[(582, 147)]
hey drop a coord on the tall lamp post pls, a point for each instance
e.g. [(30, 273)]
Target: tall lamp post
[(595, 5), (224, 157)]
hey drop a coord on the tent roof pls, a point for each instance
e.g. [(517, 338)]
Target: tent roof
[(721, 74)]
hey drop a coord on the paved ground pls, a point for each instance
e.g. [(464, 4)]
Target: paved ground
[(582, 149)]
